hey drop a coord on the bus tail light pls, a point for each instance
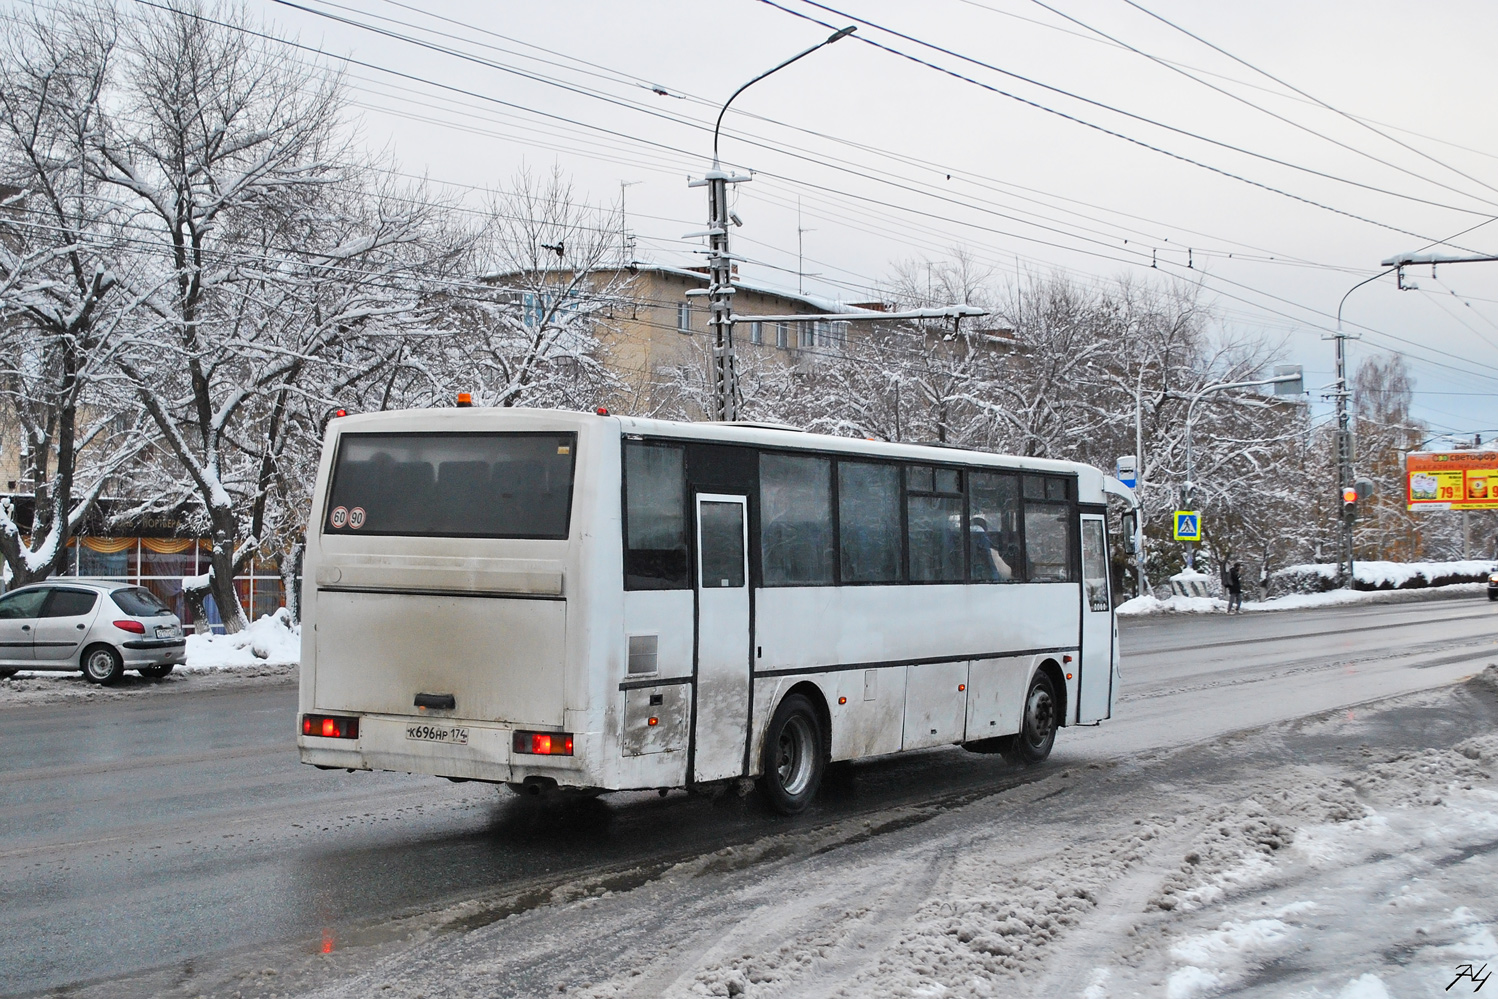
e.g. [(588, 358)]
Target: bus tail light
[(134, 627), (330, 726), (544, 743)]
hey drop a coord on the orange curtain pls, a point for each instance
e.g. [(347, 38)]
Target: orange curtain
[(108, 546), (167, 546)]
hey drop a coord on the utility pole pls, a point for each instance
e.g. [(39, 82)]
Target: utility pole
[(720, 262), (1341, 393), (720, 292), (1344, 456)]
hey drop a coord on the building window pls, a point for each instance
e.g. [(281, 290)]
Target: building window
[(806, 334), (756, 332), (684, 317), (782, 335), (840, 335)]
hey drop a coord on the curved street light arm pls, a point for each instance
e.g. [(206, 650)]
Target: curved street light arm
[(845, 32), (1355, 287)]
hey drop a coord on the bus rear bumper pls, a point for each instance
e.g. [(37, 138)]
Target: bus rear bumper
[(486, 755)]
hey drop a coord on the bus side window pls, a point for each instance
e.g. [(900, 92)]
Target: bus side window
[(655, 550), (933, 516), (795, 520), (995, 545), (1048, 542), (868, 508)]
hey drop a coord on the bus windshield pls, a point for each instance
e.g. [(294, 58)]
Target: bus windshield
[(458, 485)]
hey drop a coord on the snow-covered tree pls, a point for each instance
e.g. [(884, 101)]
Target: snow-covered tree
[(62, 303)]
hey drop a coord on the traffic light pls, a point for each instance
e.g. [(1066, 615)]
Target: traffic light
[(1350, 503)]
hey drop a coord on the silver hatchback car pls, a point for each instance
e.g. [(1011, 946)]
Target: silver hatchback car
[(100, 626)]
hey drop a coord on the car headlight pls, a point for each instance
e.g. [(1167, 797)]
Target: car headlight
[(1493, 577)]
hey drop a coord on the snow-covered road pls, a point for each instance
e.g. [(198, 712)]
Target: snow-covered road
[(1352, 855), (1294, 804)]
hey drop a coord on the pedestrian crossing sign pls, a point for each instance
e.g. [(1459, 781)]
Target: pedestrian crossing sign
[(1188, 525)]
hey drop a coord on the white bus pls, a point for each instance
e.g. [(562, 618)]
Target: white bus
[(568, 600)]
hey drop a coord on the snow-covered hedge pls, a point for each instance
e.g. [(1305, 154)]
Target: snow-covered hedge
[(1379, 576)]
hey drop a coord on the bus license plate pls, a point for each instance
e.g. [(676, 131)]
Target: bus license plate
[(451, 734)]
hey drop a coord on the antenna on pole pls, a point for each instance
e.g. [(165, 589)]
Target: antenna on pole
[(800, 250), (623, 228)]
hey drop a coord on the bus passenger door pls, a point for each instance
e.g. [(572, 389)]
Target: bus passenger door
[(1095, 682), (722, 694)]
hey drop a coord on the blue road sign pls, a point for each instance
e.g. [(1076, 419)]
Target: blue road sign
[(1188, 525)]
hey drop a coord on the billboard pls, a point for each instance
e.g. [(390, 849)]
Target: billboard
[(1451, 480)]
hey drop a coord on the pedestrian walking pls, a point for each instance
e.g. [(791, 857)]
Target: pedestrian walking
[(1235, 589)]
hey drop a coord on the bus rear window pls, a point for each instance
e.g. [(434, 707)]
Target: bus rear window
[(472, 485)]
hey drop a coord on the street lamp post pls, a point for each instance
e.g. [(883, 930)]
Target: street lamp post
[(1291, 378), (720, 262)]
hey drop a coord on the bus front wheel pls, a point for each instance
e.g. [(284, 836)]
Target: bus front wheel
[(795, 755), (1042, 715)]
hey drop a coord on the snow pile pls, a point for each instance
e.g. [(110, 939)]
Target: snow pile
[(273, 640), (1170, 605), (1139, 606), (1242, 840), (1317, 578), (1221, 957)]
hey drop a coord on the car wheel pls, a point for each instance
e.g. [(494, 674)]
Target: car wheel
[(1492, 595), (8, 672), (156, 672), (795, 755), (1042, 716), (102, 665)]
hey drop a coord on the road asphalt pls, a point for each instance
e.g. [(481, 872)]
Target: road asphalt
[(167, 844)]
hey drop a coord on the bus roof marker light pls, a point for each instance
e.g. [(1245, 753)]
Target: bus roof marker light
[(465, 400), (602, 411)]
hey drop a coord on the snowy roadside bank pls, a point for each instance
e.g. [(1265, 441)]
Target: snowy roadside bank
[(1138, 606), (1346, 856), (267, 651)]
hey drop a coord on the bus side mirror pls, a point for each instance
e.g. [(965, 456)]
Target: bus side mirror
[(1130, 532)]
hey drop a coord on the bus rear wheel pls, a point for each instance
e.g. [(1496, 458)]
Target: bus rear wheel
[(795, 756), (1042, 716)]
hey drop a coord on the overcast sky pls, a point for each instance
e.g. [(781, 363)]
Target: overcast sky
[(1391, 144)]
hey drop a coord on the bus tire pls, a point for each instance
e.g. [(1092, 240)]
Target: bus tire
[(795, 755), (1042, 715)]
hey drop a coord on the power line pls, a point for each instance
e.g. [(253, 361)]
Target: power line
[(1246, 102), (1128, 114), (1302, 93)]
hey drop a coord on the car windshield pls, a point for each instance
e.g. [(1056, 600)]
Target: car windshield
[(139, 602)]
